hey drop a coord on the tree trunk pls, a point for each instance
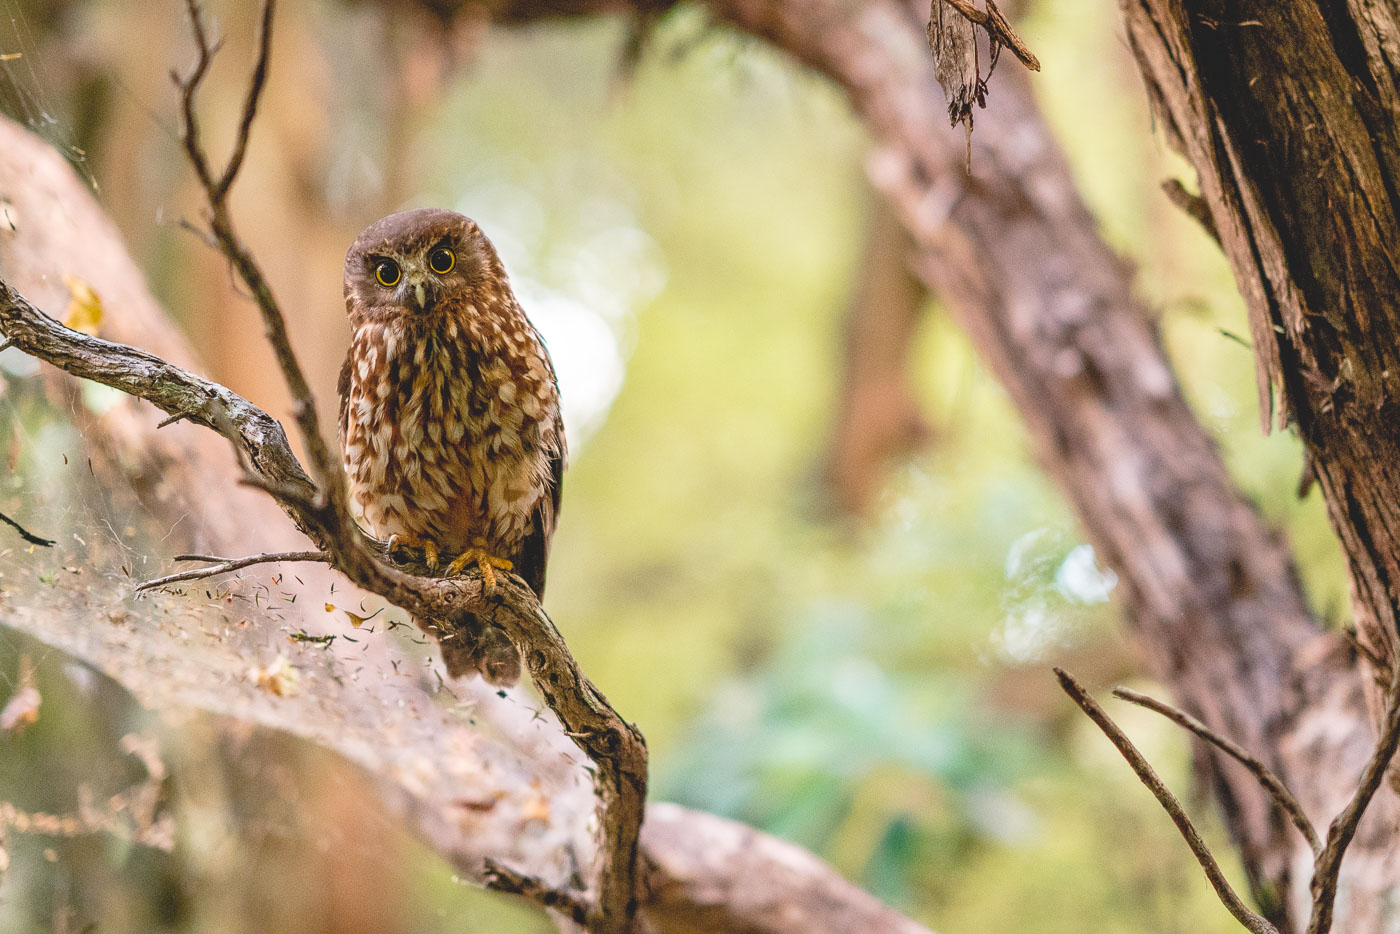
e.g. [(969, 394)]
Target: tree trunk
[(1288, 112)]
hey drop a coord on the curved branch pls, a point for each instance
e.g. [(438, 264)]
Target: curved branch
[(1148, 776), (225, 565), (465, 790), (1265, 776)]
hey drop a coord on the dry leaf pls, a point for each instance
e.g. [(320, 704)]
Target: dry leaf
[(356, 619), (84, 306)]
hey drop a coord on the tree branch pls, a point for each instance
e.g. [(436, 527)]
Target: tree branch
[(325, 467), (998, 29), (224, 565), (466, 790), (25, 534), (1343, 828), (1148, 776), (1265, 776)]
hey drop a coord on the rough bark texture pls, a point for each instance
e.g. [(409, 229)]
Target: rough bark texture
[(1289, 114), (1210, 590), (493, 780)]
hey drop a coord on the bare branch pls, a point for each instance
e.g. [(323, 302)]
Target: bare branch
[(250, 104), (25, 534), (998, 29), (224, 565), (1343, 828), (1193, 204), (1262, 773), (614, 745), (324, 466), (256, 435), (1148, 776)]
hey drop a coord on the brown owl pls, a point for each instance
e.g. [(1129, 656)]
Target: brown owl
[(450, 425)]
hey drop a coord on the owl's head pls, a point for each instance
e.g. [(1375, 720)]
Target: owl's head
[(421, 262)]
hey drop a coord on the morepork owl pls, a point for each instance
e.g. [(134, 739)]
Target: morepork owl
[(450, 425)]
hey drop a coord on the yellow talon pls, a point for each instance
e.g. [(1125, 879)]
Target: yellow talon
[(401, 542), (478, 555)]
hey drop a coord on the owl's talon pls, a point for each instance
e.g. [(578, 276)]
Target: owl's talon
[(483, 559), (400, 543)]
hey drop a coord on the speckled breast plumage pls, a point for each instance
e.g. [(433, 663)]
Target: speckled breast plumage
[(451, 429)]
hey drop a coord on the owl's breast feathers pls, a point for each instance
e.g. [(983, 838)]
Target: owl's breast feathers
[(450, 430)]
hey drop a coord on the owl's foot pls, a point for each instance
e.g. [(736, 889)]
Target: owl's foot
[(478, 555), (399, 543)]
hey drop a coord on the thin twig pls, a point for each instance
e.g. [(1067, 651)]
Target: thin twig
[(1145, 773), (998, 29), (615, 746), (1339, 835), (25, 534), (224, 565), (1261, 772), (250, 104), (325, 467), (1193, 204)]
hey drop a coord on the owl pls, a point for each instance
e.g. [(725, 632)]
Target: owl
[(450, 426)]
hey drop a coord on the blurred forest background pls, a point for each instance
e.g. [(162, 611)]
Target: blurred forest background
[(868, 678)]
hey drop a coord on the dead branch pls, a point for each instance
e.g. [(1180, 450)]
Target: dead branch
[(1265, 776), (25, 534), (705, 874), (614, 745), (1148, 776), (325, 467), (998, 30), (225, 565), (1327, 867)]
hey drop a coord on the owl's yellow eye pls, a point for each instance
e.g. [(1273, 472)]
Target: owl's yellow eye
[(442, 260), (388, 273)]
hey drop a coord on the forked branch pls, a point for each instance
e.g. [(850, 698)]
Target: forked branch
[(1328, 856), (217, 566), (1148, 776), (998, 29), (317, 503), (1261, 772)]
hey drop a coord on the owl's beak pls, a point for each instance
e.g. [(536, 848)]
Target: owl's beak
[(419, 293)]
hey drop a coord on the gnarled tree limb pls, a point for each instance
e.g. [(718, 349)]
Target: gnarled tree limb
[(466, 790)]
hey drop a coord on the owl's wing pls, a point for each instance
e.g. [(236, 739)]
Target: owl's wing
[(342, 387), (530, 561)]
